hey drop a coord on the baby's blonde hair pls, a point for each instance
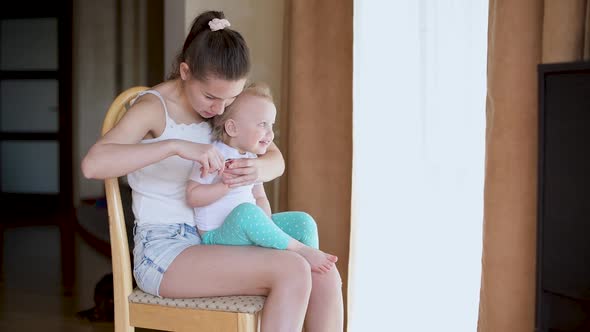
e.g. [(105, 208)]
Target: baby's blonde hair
[(256, 89)]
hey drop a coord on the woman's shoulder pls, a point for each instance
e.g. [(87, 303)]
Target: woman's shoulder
[(148, 104), (147, 110)]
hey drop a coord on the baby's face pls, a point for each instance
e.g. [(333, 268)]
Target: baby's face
[(254, 120)]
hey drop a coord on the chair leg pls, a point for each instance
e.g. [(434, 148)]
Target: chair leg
[(247, 322)]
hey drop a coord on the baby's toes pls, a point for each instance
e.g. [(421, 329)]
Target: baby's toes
[(316, 269), (333, 258)]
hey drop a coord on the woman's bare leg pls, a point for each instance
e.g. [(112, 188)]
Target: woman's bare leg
[(325, 312), (283, 276)]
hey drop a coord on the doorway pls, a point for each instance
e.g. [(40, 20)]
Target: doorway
[(36, 184)]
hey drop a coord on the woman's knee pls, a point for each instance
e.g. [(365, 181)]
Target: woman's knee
[(293, 271), (329, 281)]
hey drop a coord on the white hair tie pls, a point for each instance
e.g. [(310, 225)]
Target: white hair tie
[(218, 24)]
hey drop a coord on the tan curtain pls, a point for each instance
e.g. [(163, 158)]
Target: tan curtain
[(316, 119), (521, 35)]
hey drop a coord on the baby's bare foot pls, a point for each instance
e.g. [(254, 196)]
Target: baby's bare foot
[(319, 260)]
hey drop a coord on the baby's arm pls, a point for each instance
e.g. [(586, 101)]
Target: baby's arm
[(261, 199), (198, 194), (200, 191)]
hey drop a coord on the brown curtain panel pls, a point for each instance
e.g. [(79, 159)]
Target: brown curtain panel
[(316, 119), (521, 34)]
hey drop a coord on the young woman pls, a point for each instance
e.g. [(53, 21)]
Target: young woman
[(156, 143)]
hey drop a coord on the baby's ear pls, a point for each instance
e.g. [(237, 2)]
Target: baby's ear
[(230, 128)]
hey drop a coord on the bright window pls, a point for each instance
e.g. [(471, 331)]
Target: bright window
[(418, 170)]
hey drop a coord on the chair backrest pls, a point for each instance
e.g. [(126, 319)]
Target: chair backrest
[(120, 256)]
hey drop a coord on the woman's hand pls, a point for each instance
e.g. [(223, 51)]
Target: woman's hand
[(207, 155), (240, 172)]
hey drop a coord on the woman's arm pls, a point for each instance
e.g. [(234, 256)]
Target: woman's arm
[(119, 151), (266, 168), (271, 165)]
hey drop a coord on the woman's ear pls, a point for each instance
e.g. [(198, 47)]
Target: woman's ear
[(231, 128), (185, 71)]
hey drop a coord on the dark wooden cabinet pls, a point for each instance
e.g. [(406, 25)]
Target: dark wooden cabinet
[(563, 248)]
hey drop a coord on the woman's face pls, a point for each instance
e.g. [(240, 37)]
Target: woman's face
[(211, 96)]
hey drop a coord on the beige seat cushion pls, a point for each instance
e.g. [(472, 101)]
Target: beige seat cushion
[(245, 304)]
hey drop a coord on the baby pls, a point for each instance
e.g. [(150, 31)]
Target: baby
[(242, 215)]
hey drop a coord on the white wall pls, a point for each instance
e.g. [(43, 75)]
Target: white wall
[(175, 30)]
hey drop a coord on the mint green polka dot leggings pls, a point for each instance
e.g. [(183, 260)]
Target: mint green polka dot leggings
[(247, 224)]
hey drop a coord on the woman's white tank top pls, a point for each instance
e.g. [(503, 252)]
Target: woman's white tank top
[(159, 189)]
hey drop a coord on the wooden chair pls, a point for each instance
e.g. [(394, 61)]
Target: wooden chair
[(134, 308)]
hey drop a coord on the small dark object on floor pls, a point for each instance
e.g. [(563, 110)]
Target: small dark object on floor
[(104, 305)]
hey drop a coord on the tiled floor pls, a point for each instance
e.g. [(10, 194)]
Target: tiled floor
[(30, 290)]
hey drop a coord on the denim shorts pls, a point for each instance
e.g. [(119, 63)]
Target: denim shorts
[(156, 246)]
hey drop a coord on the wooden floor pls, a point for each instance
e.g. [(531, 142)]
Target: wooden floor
[(30, 288)]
